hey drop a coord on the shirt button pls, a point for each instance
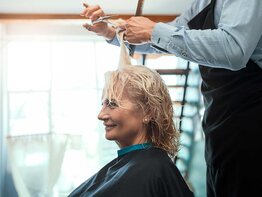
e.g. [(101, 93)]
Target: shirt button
[(184, 53)]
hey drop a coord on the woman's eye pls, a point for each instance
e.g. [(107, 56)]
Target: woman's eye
[(112, 104)]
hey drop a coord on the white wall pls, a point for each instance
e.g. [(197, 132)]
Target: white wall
[(165, 7)]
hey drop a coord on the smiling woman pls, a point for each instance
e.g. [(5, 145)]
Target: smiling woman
[(142, 91), (137, 114)]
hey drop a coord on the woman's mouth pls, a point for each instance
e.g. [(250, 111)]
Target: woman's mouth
[(109, 127)]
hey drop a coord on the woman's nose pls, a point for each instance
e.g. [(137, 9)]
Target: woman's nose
[(103, 115)]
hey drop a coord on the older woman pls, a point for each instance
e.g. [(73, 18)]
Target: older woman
[(138, 115)]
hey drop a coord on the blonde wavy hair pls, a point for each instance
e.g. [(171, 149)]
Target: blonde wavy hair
[(145, 88)]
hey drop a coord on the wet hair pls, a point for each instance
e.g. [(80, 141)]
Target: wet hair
[(145, 88)]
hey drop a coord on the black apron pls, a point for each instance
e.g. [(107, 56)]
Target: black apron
[(232, 120), (232, 123)]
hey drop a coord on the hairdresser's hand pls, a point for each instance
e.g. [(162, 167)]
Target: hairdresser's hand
[(138, 30), (101, 29)]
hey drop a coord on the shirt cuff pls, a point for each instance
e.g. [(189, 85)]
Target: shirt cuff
[(162, 34), (114, 41), (169, 38)]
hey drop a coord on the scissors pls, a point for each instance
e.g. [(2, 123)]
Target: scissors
[(104, 19)]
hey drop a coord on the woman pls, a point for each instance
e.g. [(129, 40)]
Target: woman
[(138, 115)]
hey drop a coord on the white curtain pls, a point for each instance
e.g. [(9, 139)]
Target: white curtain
[(36, 162)]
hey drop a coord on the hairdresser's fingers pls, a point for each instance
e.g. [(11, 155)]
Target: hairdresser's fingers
[(85, 10), (89, 10), (92, 9), (130, 37), (124, 36), (122, 25), (87, 26), (96, 14), (99, 28)]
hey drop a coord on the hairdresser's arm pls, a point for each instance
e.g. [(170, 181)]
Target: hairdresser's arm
[(230, 46), (149, 47)]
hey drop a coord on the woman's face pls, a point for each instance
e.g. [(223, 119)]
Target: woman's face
[(123, 124)]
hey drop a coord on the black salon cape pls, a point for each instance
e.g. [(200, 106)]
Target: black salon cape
[(140, 173)]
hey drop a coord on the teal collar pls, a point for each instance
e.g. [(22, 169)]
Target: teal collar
[(128, 149)]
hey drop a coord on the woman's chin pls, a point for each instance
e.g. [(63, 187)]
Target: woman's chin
[(108, 136)]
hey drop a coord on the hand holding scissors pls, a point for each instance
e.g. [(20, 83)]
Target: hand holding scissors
[(99, 21)]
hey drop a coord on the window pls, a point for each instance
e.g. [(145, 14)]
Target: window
[(53, 84)]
